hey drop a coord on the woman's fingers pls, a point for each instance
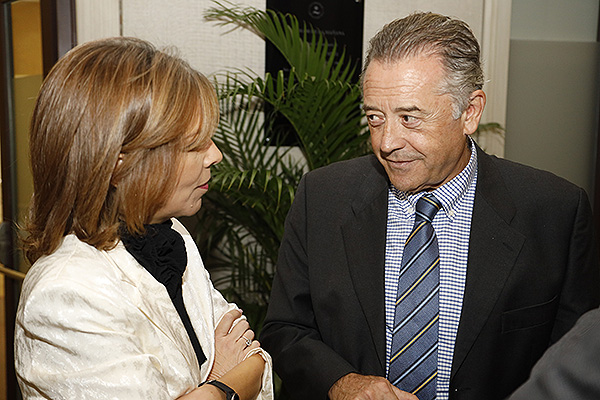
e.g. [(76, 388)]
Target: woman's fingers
[(223, 328), (240, 327), (247, 335), (254, 345), (234, 329), (233, 341)]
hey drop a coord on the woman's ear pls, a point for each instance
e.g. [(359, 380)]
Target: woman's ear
[(115, 175), (474, 111)]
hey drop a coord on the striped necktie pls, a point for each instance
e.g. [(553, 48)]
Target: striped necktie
[(413, 362)]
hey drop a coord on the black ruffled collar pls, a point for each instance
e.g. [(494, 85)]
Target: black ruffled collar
[(161, 251)]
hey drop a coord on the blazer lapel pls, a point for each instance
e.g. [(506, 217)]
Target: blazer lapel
[(491, 234), (152, 299), (364, 241)]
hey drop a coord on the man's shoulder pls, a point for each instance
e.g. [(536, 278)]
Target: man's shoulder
[(519, 175)]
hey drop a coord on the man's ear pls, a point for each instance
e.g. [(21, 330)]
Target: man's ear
[(472, 114)]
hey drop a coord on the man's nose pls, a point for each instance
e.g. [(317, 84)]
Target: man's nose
[(393, 138)]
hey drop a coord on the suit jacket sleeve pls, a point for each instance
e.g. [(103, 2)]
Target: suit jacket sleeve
[(570, 368), (206, 306), (220, 307), (582, 273), (77, 338)]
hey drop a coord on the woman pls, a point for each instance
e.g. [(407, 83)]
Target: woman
[(117, 303)]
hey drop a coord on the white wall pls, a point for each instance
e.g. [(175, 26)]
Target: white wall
[(555, 20), (554, 85), (97, 19), (178, 23)]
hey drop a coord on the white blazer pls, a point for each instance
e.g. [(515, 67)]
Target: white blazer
[(95, 324)]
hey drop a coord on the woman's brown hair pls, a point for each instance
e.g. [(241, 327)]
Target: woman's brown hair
[(110, 123)]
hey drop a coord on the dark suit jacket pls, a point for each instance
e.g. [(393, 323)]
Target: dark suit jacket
[(532, 271), (570, 369)]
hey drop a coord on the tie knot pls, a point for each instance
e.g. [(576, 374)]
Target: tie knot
[(427, 207)]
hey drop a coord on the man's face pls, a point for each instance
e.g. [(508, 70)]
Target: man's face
[(413, 133)]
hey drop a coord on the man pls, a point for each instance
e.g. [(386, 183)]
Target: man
[(462, 305), (570, 369)]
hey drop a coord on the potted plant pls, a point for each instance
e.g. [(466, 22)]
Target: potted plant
[(240, 225)]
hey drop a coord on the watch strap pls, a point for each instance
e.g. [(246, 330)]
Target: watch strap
[(230, 394)]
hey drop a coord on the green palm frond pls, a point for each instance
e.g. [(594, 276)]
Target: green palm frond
[(304, 47), (242, 218)]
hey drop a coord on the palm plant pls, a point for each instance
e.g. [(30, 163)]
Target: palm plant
[(241, 222)]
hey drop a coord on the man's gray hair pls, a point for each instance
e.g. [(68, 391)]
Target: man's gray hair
[(436, 35)]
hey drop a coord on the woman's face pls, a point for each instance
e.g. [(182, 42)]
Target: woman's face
[(192, 183)]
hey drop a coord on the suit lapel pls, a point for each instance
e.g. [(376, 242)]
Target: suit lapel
[(364, 241), (491, 234)]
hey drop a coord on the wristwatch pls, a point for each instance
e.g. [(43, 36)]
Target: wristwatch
[(230, 394)]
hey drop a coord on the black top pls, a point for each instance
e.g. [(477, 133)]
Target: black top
[(162, 252)]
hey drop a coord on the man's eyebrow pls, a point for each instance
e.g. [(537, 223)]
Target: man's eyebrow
[(367, 107), (407, 109)]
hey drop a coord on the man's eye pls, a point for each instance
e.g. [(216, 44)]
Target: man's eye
[(410, 121), (374, 120)]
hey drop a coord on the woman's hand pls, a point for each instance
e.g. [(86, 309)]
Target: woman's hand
[(232, 343), (244, 378)]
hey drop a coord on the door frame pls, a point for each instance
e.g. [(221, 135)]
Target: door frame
[(58, 36), (596, 193)]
